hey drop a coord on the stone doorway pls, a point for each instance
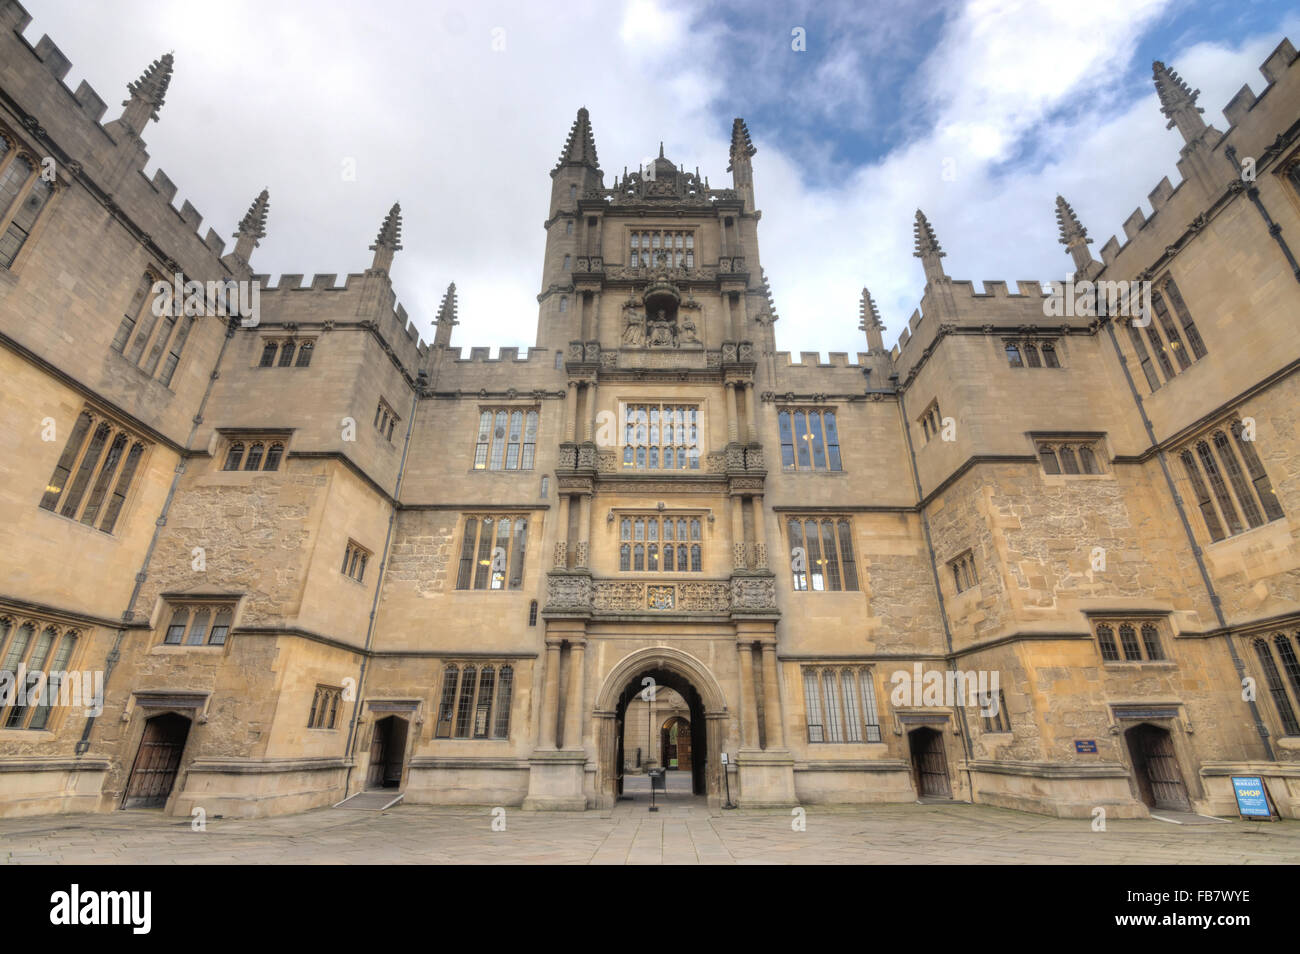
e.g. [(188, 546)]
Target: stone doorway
[(1155, 768), (929, 763), (387, 753), (675, 744), (153, 774), (648, 684)]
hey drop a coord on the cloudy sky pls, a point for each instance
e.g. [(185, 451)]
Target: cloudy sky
[(977, 112)]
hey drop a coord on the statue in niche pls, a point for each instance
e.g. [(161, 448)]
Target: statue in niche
[(662, 333), (633, 327), (686, 330)]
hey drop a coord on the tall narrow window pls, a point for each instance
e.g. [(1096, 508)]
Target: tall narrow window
[(1106, 640), (20, 225), (483, 707), (1144, 357), (447, 704), (305, 353), (505, 692), (1185, 316), (132, 313), (1245, 495), (1049, 355), (1128, 640), (1048, 456), (268, 354), (1203, 501), (465, 707), (1031, 355), (63, 470), (1219, 488), (1171, 331), (286, 354), (1158, 346), (1013, 355), (1255, 468), (1276, 688)]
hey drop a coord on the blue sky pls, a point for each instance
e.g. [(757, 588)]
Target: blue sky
[(460, 110)]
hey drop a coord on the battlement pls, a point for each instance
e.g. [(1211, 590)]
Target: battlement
[(73, 120), (534, 356), (1249, 133), (813, 359)]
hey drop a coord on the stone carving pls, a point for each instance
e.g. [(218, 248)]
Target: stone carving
[(687, 333), (587, 457), (735, 457), (728, 352), (633, 326), (738, 556), (592, 352), (753, 593), (703, 598), (575, 350), (568, 458), (660, 597), (760, 556), (561, 554), (568, 592), (661, 332), (580, 553), (747, 351), (612, 597)]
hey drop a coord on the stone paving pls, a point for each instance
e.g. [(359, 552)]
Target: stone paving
[(684, 831)]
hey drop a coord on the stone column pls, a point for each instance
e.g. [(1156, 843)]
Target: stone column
[(760, 535), (733, 427), (550, 696), (773, 722), (751, 416), (739, 317), (573, 705), (748, 702), (571, 411), (590, 422), (584, 531), (738, 532), (562, 533)]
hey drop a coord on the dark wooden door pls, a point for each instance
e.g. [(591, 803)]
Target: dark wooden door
[(153, 773), (684, 745), (396, 754), (930, 764), (378, 754), (1161, 766)]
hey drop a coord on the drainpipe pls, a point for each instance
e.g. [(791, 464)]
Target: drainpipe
[(934, 571), (114, 654), (421, 381), (1191, 537)]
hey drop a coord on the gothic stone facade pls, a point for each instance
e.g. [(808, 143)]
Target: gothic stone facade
[(317, 554)]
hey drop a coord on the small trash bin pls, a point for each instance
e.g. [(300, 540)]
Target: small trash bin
[(657, 781)]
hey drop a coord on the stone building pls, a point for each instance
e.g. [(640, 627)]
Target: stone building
[(313, 554)]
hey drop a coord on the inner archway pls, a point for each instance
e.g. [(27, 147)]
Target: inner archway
[(705, 710), (648, 687)]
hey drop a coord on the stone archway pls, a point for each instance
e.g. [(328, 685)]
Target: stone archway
[(679, 671)]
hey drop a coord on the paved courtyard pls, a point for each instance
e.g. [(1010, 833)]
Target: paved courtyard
[(683, 831)]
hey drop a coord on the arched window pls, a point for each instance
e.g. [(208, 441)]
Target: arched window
[(1238, 480), (505, 692), (1128, 641), (625, 557), (559, 360), (1219, 488), (532, 613), (1048, 457), (567, 260), (530, 442), (1086, 460), (1151, 642), (1013, 355), (234, 456), (273, 456), (446, 706), (304, 353), (1106, 639), (1068, 463), (564, 299), (1031, 355), (465, 705), (546, 487), (286, 354), (1049, 355), (268, 354), (1203, 501), (12, 181), (221, 628), (512, 446), (254, 460)]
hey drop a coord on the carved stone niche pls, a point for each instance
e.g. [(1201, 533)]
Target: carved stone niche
[(660, 319)]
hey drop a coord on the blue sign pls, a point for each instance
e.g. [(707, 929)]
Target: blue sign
[(1251, 799), (1085, 745)]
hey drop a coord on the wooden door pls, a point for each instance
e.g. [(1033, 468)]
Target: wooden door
[(396, 754), (378, 754), (930, 764), (1163, 773), (684, 745), (153, 774)]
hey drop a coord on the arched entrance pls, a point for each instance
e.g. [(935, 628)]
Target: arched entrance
[(683, 673), (1155, 767), (929, 763), (153, 774), (675, 744), (387, 753)]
